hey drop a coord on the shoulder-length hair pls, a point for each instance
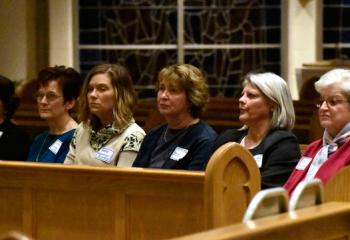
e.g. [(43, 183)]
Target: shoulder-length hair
[(276, 89), (190, 79), (125, 95)]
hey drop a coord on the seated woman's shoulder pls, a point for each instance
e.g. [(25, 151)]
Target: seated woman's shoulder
[(232, 134), (229, 135), (282, 133), (208, 129), (138, 134), (280, 136)]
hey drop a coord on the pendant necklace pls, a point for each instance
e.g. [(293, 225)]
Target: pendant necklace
[(177, 134), (41, 148)]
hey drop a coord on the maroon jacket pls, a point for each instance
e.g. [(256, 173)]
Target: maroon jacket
[(335, 162)]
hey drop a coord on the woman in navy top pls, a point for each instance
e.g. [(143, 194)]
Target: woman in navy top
[(185, 141)]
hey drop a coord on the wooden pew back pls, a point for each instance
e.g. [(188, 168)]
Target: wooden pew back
[(49, 201), (76, 202), (329, 221), (338, 187), (232, 179)]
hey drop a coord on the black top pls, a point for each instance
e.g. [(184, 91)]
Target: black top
[(187, 149), (14, 142), (276, 156)]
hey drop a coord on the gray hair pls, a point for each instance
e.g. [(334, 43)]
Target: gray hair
[(276, 89), (338, 76)]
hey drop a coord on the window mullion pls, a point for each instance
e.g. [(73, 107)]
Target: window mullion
[(180, 31)]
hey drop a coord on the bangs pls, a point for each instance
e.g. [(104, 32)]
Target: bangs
[(172, 80)]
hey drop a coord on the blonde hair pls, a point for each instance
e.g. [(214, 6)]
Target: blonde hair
[(125, 95), (191, 80), (277, 90)]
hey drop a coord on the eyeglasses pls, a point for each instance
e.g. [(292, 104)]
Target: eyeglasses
[(50, 96), (331, 102)]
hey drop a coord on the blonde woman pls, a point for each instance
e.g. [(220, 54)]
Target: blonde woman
[(107, 134), (267, 113)]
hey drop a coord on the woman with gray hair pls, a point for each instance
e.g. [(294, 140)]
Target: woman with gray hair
[(325, 157), (266, 110)]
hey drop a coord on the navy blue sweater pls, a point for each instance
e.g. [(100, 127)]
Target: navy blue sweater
[(196, 143)]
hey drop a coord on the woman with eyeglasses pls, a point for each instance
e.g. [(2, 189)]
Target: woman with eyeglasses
[(326, 156), (107, 135), (58, 90)]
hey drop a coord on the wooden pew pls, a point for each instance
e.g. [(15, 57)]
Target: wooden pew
[(232, 178), (49, 201), (322, 222), (338, 187)]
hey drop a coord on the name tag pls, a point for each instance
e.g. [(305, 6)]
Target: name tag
[(258, 159), (105, 154), (56, 146), (178, 153), (303, 163), (1, 132)]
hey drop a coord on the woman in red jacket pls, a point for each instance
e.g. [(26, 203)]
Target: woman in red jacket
[(326, 156)]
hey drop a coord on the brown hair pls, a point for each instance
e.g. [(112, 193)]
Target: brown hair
[(67, 78), (125, 95), (192, 81)]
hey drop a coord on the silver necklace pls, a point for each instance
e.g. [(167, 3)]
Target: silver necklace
[(177, 134), (41, 148)]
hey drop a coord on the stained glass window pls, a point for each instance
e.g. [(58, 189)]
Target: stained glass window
[(224, 38), (336, 29)]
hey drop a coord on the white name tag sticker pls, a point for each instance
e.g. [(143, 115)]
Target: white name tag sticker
[(178, 153), (303, 163), (56, 146), (105, 154), (258, 159)]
